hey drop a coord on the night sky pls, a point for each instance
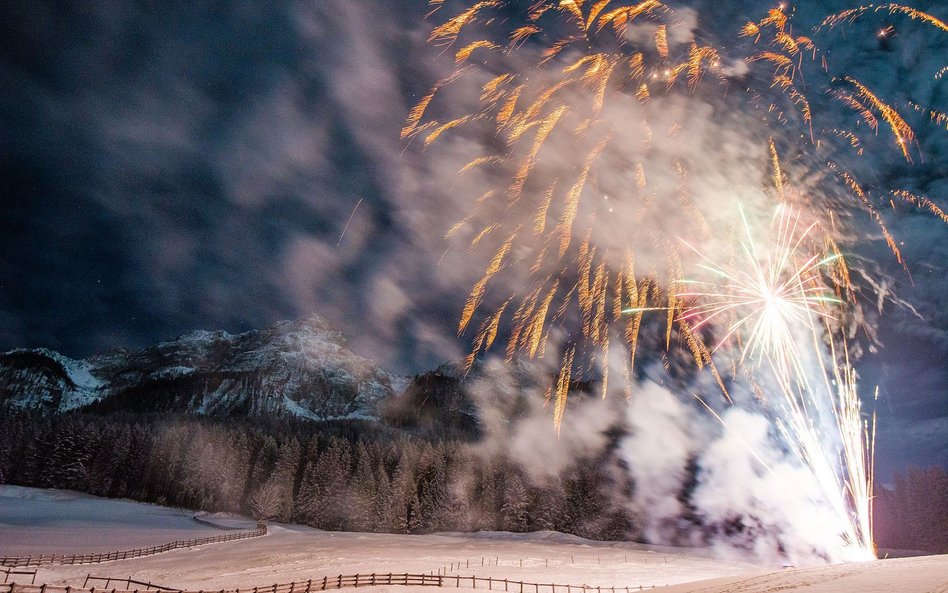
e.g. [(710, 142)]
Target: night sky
[(173, 166)]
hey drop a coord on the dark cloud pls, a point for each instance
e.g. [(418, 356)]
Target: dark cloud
[(171, 167)]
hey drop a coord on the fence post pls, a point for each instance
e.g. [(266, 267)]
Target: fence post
[(505, 584), (340, 582), (324, 583), (490, 584), (309, 584)]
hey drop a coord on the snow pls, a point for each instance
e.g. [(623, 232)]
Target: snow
[(34, 521), (88, 388), (925, 574), (296, 409), (294, 553), (400, 383), (199, 337), (171, 372)]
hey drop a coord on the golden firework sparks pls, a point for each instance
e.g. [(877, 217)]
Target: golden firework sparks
[(587, 57)]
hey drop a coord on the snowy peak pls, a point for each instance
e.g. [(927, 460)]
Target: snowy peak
[(40, 379), (299, 368)]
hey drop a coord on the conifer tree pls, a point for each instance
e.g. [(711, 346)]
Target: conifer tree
[(363, 488), (405, 503), (516, 504)]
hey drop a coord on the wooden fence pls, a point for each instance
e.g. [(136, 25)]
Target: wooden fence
[(124, 554), (9, 572), (148, 586), (355, 580)]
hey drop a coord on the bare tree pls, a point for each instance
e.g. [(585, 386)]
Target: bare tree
[(266, 502)]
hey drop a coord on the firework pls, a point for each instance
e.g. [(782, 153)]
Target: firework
[(772, 293), (598, 262), (774, 304), (580, 54)]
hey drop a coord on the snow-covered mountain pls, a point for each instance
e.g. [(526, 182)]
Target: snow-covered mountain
[(301, 368)]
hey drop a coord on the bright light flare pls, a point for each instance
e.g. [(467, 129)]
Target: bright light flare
[(768, 297)]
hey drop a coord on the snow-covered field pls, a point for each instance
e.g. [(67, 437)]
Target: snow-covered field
[(293, 553), (37, 521)]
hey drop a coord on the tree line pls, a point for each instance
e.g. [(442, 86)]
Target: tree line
[(337, 476), (362, 476), (912, 513)]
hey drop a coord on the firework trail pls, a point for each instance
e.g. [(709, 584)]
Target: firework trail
[(348, 221), (570, 92)]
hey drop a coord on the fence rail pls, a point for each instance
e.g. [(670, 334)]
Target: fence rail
[(350, 581), (124, 554), (8, 572), (149, 586)]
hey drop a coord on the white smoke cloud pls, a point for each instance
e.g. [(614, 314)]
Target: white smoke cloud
[(517, 422), (730, 484), (759, 501), (665, 436)]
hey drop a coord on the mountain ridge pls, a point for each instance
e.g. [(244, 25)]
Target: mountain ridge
[(301, 368)]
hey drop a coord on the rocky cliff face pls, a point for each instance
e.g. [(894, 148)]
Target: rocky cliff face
[(47, 381), (300, 368), (433, 402)]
